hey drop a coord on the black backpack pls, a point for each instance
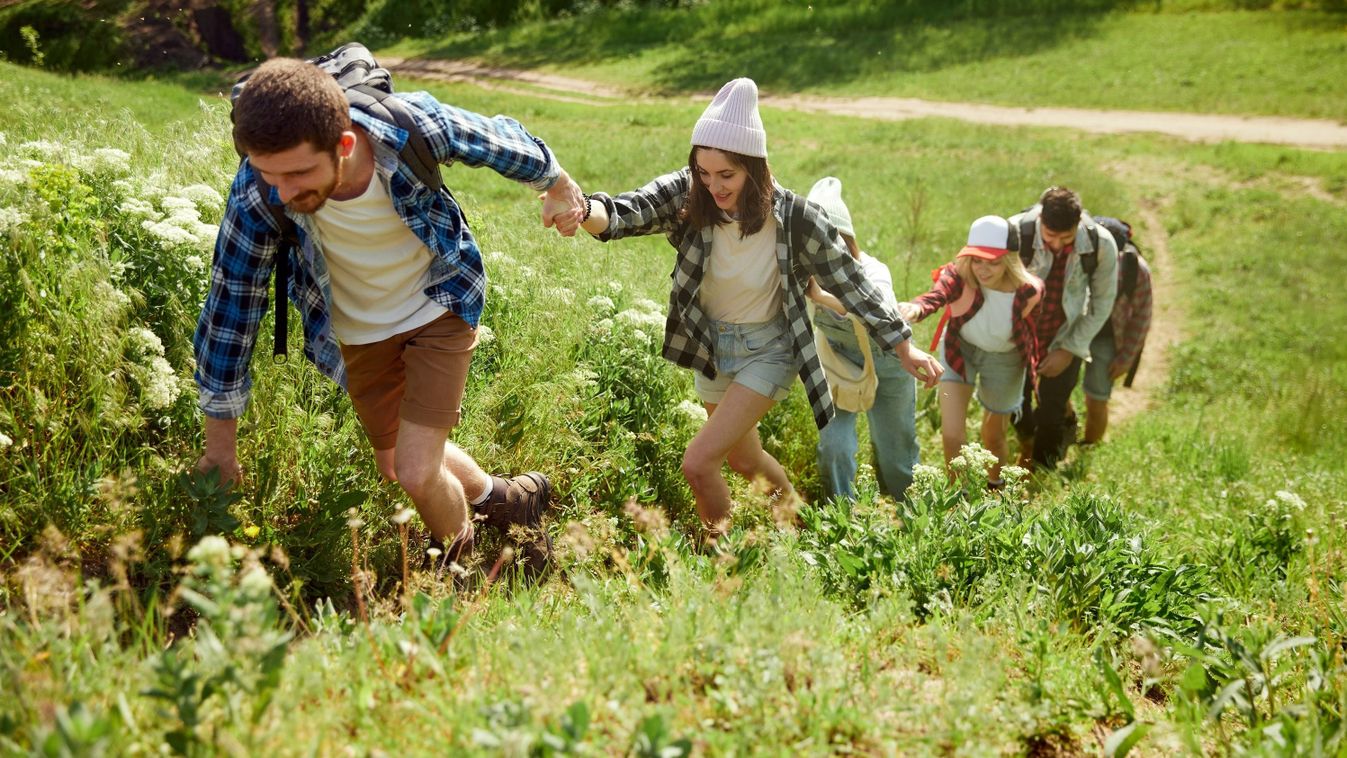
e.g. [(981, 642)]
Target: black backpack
[(367, 87)]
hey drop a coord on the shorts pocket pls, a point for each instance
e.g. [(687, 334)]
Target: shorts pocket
[(763, 337)]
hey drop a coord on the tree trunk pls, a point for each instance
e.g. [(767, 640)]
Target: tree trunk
[(268, 34), (301, 27)]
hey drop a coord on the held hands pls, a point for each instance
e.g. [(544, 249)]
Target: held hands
[(563, 206), (909, 311)]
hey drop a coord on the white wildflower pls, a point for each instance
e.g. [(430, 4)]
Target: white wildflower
[(169, 234), (499, 258), (603, 326), (105, 160), (403, 515), (195, 263), (528, 272), (174, 204), (10, 177), (159, 385), (11, 219), (212, 550), (646, 304), (615, 287), (203, 195), (485, 336), (1291, 499), (137, 208), (601, 303), (634, 318), (42, 149), (145, 342), (641, 336), (255, 582), (694, 411), (926, 477), (5, 441), (109, 300), (3, 140), (29, 163), (124, 186)]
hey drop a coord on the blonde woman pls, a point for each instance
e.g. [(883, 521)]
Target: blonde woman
[(989, 340)]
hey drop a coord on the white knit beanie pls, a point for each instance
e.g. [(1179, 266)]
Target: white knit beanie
[(827, 192), (731, 122)]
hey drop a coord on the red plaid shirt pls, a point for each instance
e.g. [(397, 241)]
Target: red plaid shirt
[(1051, 315), (949, 287)]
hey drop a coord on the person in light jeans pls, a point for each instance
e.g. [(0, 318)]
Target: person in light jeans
[(892, 419)]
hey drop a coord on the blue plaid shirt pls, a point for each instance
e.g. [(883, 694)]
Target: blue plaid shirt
[(245, 250)]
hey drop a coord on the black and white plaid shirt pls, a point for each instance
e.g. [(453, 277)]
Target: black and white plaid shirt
[(817, 250)]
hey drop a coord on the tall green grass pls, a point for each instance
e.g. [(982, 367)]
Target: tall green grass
[(1180, 589)]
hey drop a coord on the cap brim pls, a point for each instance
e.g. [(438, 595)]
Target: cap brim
[(985, 253)]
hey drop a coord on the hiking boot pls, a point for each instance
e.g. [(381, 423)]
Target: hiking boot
[(515, 507), (520, 501)]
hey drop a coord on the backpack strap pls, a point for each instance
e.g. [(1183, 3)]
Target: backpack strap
[(416, 152), (1028, 228), (1128, 266), (289, 240)]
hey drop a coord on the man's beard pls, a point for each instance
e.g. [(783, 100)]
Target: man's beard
[(312, 200)]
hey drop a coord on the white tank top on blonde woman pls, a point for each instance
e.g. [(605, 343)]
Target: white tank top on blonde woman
[(990, 328), (741, 283), (378, 267)]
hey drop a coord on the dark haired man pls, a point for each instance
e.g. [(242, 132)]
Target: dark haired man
[(387, 277), (1076, 304)]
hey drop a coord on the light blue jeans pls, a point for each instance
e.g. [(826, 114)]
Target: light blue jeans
[(893, 423)]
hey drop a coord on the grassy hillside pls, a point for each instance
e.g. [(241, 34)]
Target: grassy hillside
[(1178, 590), (1210, 58)]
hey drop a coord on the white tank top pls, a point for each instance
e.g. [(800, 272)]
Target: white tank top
[(378, 268), (742, 283), (990, 328)]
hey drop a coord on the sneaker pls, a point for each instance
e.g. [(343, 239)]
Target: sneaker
[(520, 501)]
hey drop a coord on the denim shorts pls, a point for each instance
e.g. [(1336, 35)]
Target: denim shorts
[(758, 356), (999, 376), (1098, 384)]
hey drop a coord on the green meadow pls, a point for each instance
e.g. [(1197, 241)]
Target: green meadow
[(1177, 590), (1168, 55)]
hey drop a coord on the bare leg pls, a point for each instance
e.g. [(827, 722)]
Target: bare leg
[(460, 464), (433, 477), (994, 439), (1096, 420), (954, 398), (730, 432)]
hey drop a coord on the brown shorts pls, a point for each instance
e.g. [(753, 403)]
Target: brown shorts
[(418, 375)]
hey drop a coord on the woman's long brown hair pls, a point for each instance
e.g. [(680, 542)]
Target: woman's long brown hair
[(755, 200)]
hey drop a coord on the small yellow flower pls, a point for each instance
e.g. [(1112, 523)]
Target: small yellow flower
[(251, 532)]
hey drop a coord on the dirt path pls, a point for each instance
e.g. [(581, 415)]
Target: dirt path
[(1167, 322), (1308, 133)]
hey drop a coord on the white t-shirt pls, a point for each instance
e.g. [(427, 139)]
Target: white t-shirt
[(990, 328), (742, 283), (378, 268)]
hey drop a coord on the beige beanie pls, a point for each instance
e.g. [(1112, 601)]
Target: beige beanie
[(731, 122), (827, 192)]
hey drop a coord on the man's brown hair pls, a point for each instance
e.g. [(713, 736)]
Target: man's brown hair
[(286, 103), (755, 200), (1061, 209)]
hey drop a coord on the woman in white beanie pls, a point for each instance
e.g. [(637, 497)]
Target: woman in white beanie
[(892, 415), (988, 336), (746, 250)]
